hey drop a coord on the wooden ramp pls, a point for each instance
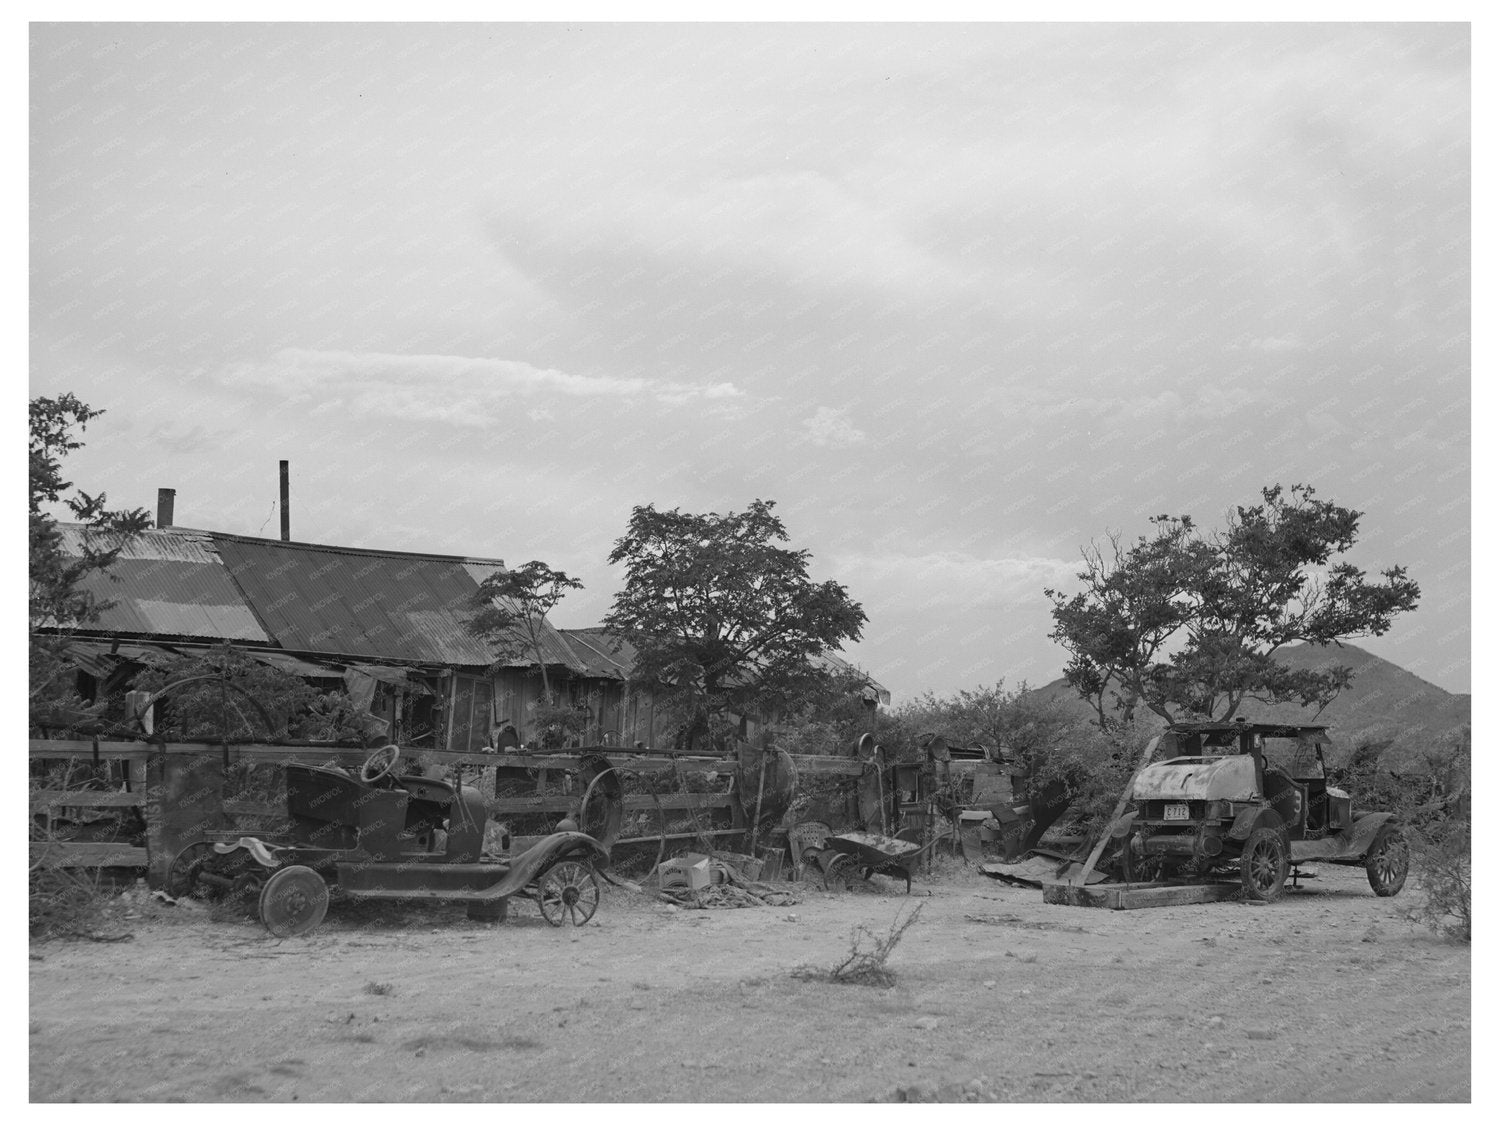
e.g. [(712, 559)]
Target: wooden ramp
[(1137, 896)]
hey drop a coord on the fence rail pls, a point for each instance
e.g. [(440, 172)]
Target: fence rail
[(154, 773)]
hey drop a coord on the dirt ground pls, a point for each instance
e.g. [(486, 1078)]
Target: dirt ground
[(1325, 996)]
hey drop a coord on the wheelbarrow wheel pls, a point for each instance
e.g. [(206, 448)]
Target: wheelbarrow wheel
[(293, 901), (838, 871), (568, 892)]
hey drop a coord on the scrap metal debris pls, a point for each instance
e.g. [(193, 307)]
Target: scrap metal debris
[(728, 895)]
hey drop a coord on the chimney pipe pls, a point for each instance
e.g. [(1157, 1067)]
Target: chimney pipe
[(166, 499), (286, 489)]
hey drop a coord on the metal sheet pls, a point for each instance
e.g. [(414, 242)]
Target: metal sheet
[(346, 601), (168, 583), (293, 665), (595, 651)]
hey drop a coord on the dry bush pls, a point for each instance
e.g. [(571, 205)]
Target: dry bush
[(64, 902), (865, 965), (1442, 872)]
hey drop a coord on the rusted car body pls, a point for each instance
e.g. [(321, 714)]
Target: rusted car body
[(1251, 799), (383, 834)]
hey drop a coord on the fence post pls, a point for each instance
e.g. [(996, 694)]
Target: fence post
[(184, 800)]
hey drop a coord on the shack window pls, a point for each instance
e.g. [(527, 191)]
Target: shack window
[(473, 704)]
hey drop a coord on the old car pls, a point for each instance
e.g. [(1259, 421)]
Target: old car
[(1252, 800), (380, 833)]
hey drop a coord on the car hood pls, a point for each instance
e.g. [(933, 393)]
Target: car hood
[(1230, 778)]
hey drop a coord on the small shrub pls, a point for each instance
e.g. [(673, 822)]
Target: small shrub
[(375, 989), (865, 965), (1442, 872)]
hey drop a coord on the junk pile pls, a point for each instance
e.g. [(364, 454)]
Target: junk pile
[(703, 882)]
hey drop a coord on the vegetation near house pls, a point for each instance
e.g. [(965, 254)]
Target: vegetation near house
[(511, 611), (57, 599), (1187, 623), (723, 618)]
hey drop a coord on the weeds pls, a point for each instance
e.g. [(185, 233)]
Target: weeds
[(1441, 868), (865, 965)]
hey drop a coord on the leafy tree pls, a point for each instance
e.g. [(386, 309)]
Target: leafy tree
[(721, 614), (511, 612), (59, 600), (1188, 623)]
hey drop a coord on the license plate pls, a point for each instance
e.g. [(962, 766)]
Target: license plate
[(1176, 812)]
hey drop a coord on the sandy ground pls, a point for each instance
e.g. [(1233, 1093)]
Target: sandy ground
[(1325, 996)]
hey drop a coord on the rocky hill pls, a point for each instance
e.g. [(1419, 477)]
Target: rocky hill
[(1386, 704)]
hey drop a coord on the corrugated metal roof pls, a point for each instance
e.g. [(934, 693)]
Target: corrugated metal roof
[(168, 583), (355, 602), (595, 650)]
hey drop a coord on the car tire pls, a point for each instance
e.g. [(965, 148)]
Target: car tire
[(1387, 861), (1263, 865)]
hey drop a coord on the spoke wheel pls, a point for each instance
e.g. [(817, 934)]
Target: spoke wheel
[(1387, 862), (293, 901), (1263, 865), (182, 876), (568, 892)]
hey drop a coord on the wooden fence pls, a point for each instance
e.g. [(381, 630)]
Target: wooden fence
[(178, 786)]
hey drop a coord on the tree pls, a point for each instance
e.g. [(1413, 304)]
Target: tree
[(1189, 623), (512, 608), (722, 615), (59, 598)]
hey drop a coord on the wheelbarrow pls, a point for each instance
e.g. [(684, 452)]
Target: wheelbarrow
[(867, 854)]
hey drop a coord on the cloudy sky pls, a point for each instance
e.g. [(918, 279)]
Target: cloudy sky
[(959, 298)]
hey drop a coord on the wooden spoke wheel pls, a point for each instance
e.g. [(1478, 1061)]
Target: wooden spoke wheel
[(1263, 865), (182, 876), (293, 901), (568, 892), (1387, 862)]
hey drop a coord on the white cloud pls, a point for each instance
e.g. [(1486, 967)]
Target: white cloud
[(955, 577), (450, 389), (832, 429)]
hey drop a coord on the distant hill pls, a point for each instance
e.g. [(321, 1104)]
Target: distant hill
[(1385, 704)]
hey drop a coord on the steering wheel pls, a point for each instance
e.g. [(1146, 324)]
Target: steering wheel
[(380, 764)]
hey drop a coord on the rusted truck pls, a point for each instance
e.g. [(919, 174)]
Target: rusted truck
[(1251, 800)]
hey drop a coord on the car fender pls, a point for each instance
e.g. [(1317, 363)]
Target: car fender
[(263, 853), (537, 859), (1362, 835), (1123, 826), (1249, 820)]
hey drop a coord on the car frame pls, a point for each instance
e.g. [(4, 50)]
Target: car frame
[(1217, 805), (380, 833)]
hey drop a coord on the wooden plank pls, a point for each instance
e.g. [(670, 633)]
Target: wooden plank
[(260, 752), (669, 801), (826, 764), (43, 799), (88, 855), (678, 836), (45, 749), (1127, 896)]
